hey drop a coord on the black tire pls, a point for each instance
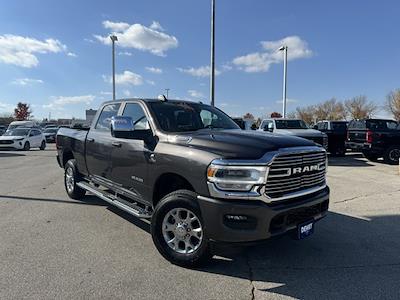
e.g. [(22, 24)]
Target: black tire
[(392, 155), (369, 156), (180, 201), (27, 146), (43, 145), (71, 178)]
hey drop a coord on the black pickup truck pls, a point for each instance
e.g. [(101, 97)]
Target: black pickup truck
[(375, 138), (199, 178)]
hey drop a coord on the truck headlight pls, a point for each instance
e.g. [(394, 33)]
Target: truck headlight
[(236, 178)]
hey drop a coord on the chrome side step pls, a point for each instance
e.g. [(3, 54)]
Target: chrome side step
[(130, 208)]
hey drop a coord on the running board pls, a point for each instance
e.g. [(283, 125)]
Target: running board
[(132, 209)]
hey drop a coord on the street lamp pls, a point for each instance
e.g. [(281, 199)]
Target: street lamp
[(284, 49), (167, 90), (113, 40), (212, 64)]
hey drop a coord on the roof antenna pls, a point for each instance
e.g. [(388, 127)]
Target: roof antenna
[(162, 98)]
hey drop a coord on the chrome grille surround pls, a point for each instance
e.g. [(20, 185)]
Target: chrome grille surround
[(294, 172), (259, 192)]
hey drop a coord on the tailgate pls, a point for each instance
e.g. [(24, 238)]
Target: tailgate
[(357, 136)]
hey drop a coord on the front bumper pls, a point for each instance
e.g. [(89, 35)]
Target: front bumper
[(224, 222), (16, 145)]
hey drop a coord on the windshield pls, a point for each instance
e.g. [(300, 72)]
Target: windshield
[(51, 130), (17, 132), (290, 124), (381, 124), (187, 116)]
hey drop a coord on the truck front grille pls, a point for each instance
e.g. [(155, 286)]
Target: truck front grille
[(295, 172)]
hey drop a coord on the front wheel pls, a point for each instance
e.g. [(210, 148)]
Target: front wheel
[(27, 146), (43, 145), (177, 230), (392, 155), (71, 178)]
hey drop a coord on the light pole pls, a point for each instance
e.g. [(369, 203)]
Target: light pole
[(284, 49), (212, 64), (113, 40), (167, 90)]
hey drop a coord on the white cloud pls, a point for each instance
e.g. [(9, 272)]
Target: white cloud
[(151, 82), (126, 93), (126, 53), (261, 61), (203, 71), (26, 81), (287, 101), (154, 70), (125, 78), (21, 51), (116, 26), (105, 93), (59, 102), (6, 107), (72, 54), (195, 94), (139, 37), (156, 26)]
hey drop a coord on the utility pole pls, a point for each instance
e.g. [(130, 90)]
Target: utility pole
[(167, 90), (212, 64), (113, 40), (284, 98)]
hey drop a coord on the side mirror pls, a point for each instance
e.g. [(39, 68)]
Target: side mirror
[(124, 128)]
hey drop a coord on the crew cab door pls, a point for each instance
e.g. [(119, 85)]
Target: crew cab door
[(130, 158), (99, 143)]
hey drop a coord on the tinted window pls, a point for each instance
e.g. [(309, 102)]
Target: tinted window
[(109, 111), (290, 124), (187, 116), (381, 124), (135, 111), (342, 126)]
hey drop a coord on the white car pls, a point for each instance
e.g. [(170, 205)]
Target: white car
[(23, 139)]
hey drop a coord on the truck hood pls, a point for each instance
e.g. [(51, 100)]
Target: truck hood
[(239, 144), (300, 132)]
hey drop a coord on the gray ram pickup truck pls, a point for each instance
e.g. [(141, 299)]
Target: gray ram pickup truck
[(189, 168)]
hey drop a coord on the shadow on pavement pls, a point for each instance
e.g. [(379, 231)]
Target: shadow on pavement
[(87, 200), (10, 154), (350, 160), (141, 223), (347, 258)]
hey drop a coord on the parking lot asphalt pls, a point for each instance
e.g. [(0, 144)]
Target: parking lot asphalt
[(52, 247)]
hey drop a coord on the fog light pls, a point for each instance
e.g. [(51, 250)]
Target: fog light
[(236, 218)]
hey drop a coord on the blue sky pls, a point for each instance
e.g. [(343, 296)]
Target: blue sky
[(56, 56)]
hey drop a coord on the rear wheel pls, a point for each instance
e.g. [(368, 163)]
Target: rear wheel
[(43, 145), (27, 146), (71, 178), (369, 156), (392, 155), (177, 230)]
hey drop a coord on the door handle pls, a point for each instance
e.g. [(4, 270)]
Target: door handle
[(117, 144), (91, 140)]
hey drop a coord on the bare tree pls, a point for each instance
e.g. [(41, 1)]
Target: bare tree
[(360, 107), (276, 115), (291, 115), (307, 114), (330, 110), (393, 103), (248, 116)]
